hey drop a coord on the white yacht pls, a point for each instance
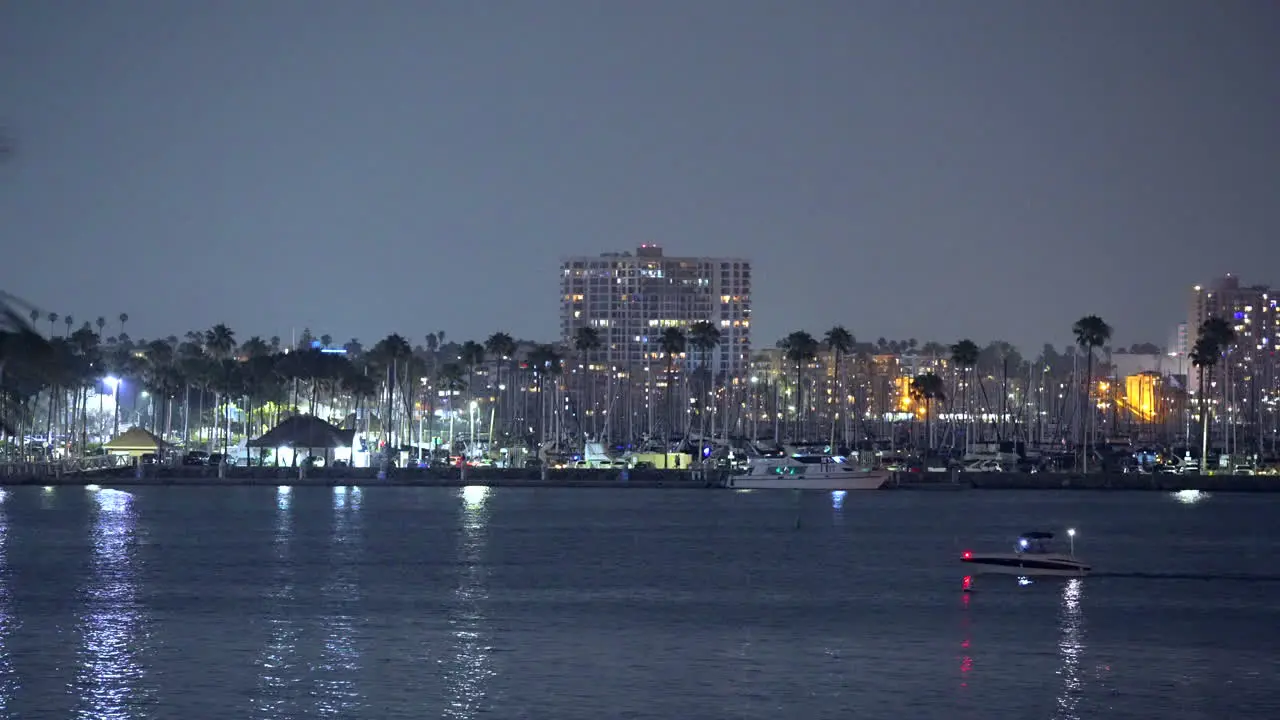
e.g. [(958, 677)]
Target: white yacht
[(807, 472), (1031, 556)]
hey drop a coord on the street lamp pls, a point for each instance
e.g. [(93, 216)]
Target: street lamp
[(1071, 535), (755, 420)]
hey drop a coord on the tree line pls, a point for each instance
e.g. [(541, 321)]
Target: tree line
[(207, 387)]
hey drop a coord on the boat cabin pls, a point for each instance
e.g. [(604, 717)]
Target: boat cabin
[(800, 465), (1035, 543)]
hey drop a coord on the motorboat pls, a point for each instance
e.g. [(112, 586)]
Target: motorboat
[(1033, 554), (807, 472)]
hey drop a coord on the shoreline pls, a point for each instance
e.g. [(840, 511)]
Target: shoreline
[(614, 479)]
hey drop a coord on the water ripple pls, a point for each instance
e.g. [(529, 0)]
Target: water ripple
[(108, 680), (337, 692), (8, 682), (1071, 650), (276, 695), (468, 674)]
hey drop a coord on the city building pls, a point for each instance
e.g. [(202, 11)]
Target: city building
[(629, 299), (1243, 386), (1251, 310)]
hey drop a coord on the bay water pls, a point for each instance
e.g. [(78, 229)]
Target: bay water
[(379, 602)]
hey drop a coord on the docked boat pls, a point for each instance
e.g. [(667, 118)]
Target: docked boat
[(807, 472), (1032, 555)]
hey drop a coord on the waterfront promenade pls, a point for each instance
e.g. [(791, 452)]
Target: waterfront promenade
[(496, 477)]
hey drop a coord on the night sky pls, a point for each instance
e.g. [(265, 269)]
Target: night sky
[(908, 169)]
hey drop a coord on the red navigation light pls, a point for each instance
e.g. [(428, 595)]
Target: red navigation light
[(967, 555)]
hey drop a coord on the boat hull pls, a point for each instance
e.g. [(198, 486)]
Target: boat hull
[(825, 481), (1026, 565)]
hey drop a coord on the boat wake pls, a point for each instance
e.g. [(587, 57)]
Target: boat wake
[(1233, 577)]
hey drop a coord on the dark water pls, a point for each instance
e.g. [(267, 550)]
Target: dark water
[(420, 603)]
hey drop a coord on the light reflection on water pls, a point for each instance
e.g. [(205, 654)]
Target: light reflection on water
[(966, 642), (278, 664), (337, 694), (467, 678), (837, 499), (108, 678), (1070, 649), (7, 680)]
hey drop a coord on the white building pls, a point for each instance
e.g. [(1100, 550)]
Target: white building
[(630, 299)]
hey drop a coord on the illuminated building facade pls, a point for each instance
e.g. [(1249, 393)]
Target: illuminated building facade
[(1244, 383), (1251, 311), (629, 299)]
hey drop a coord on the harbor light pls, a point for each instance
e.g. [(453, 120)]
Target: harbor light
[(1071, 535)]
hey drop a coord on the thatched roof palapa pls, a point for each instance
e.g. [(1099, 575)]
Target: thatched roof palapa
[(304, 431), (135, 439)]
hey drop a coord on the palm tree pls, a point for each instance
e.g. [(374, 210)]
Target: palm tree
[(452, 380), (393, 353), (68, 321), (255, 347), (927, 388), (124, 318), (800, 348), (673, 343), (1090, 332), (25, 357), (839, 342), (503, 349), (1214, 337), (586, 341), (470, 355), (704, 337), (545, 362), (964, 355), (219, 343)]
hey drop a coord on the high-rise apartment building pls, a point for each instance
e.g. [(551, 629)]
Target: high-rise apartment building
[(1251, 310), (1178, 346), (629, 299)]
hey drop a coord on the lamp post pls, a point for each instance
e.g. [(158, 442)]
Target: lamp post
[(755, 421), (1071, 536)]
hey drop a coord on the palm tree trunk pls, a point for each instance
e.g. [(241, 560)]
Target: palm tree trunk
[(1204, 421), (1088, 404)]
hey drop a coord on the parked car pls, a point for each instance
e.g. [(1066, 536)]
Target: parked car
[(196, 457)]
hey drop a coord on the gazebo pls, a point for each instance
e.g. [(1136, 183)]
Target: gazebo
[(134, 442), (308, 433)]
